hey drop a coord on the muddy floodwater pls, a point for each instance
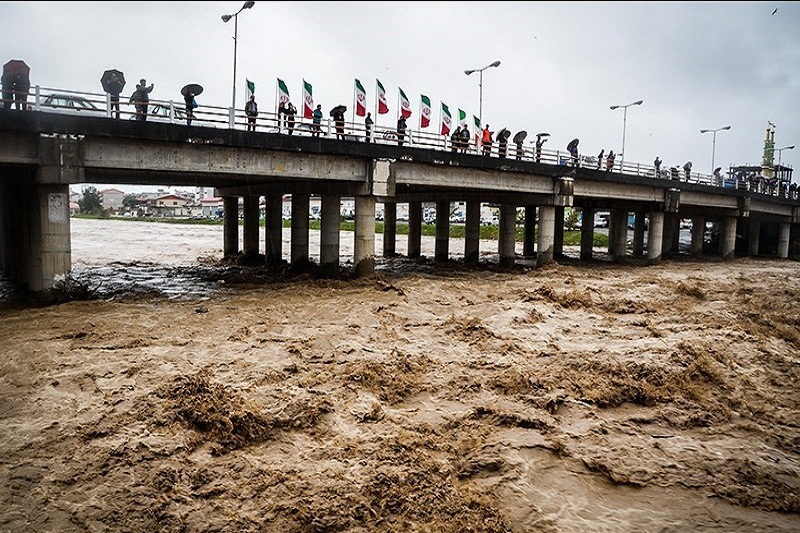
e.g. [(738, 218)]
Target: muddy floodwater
[(184, 395)]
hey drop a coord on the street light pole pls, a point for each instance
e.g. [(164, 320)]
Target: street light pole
[(714, 143), (235, 17), (480, 86), (624, 125), (779, 150)]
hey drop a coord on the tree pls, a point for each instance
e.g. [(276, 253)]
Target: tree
[(92, 202), (571, 217)]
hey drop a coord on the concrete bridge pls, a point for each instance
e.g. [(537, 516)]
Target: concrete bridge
[(41, 154)]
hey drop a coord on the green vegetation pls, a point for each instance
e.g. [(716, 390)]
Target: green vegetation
[(457, 231)]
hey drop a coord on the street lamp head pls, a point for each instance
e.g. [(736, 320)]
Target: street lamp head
[(226, 18), (495, 64), (638, 102), (726, 128), (704, 131), (468, 72), (613, 107), (248, 5)]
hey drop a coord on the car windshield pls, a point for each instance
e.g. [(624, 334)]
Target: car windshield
[(63, 100)]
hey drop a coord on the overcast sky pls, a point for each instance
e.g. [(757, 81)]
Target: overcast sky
[(696, 65)]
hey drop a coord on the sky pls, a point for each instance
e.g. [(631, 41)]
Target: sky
[(695, 65)]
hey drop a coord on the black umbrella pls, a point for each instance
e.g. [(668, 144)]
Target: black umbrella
[(573, 145), (193, 88), (520, 137), (16, 68), (503, 134), (341, 108), (113, 81)]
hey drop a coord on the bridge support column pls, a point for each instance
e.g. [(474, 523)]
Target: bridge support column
[(472, 236), (638, 234), (620, 244), (273, 230), (389, 229), (558, 235), (698, 235), (547, 224), (668, 237), (230, 225), (529, 237), (442, 242), (250, 230), (364, 247), (414, 229), (655, 238), (299, 244), (329, 234), (753, 236), (727, 240), (507, 245), (36, 234), (784, 230), (587, 233)]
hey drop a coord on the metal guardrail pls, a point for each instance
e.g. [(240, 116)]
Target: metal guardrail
[(95, 104)]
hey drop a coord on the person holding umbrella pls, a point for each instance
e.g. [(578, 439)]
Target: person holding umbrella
[(572, 148), (113, 81), (189, 92), (338, 119)]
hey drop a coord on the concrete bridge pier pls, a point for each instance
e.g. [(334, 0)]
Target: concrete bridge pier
[(507, 237), (329, 234), (671, 235), (35, 246), (784, 231), (698, 236), (250, 231), (547, 224), (727, 241), (529, 233), (638, 233), (273, 230), (389, 229), (364, 246), (230, 226), (442, 239), (414, 230), (472, 228), (299, 243), (619, 245), (587, 233), (655, 238), (753, 236)]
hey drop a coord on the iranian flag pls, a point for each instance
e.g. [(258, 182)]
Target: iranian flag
[(425, 111), (383, 105), (477, 131), (251, 89), (405, 105), (462, 117), (283, 92), (308, 101), (361, 99), (447, 120)]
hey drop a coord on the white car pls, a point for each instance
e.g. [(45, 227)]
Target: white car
[(71, 104)]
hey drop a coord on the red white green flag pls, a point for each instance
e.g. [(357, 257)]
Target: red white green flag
[(308, 101), (425, 111), (405, 105), (447, 120), (361, 99), (462, 117), (283, 92), (383, 105), (477, 131)]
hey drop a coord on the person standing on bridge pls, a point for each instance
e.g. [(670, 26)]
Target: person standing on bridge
[(141, 99), (368, 122), (291, 111), (190, 103), (316, 121), (401, 130), (687, 169), (251, 110), (572, 148), (600, 158), (486, 141), (610, 161)]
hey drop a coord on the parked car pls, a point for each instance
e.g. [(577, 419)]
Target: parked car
[(71, 104), (161, 113)]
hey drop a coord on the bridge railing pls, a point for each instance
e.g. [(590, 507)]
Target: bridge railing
[(42, 98)]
